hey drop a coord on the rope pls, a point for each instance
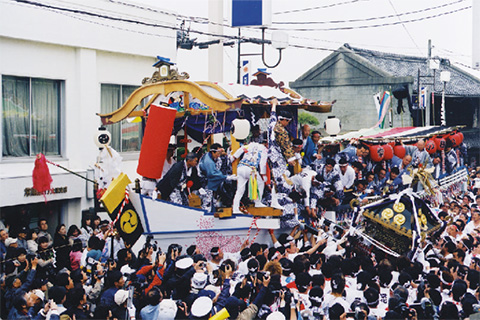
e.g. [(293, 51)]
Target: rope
[(254, 223), (126, 200), (68, 170)]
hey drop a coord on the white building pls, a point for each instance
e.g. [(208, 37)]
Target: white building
[(61, 63)]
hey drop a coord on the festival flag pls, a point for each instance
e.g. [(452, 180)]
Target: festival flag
[(382, 104), (128, 224), (155, 141)]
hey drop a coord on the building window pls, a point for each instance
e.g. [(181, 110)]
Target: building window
[(30, 116), (126, 135)]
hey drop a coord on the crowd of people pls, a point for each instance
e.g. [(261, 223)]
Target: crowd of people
[(87, 271)]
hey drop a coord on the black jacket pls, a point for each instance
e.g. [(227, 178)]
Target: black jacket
[(172, 179)]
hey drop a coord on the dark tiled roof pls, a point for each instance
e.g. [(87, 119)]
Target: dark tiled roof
[(461, 83)]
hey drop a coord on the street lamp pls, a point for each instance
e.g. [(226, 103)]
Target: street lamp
[(279, 42), (444, 77)]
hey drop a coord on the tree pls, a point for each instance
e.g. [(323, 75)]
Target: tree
[(307, 118)]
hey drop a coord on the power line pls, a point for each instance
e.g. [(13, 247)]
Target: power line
[(376, 25), (319, 7), (371, 18), (138, 22), (71, 12), (192, 18), (404, 27)]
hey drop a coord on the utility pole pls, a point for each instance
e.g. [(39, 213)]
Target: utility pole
[(239, 61), (215, 51), (476, 35), (428, 87)]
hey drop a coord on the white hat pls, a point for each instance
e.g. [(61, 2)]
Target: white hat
[(199, 280), (39, 294), (201, 307), (121, 296), (9, 241), (184, 263), (167, 310), (277, 315)]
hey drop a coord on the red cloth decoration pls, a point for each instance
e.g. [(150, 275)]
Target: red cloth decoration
[(41, 177), (155, 141)]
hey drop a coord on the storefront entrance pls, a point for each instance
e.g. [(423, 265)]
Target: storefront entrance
[(28, 215)]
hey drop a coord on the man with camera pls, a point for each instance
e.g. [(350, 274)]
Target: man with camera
[(79, 309)]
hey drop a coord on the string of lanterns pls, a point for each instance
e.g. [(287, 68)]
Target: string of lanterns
[(380, 152)]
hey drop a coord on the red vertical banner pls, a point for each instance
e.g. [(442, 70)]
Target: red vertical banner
[(155, 141)]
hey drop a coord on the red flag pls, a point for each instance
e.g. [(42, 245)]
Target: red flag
[(155, 141), (41, 175)]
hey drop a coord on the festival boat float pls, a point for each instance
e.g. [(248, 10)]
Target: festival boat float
[(169, 104), (396, 224)]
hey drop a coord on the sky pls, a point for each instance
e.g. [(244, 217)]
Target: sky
[(407, 27)]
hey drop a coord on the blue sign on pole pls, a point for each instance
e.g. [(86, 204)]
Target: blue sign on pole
[(247, 13), (245, 72)]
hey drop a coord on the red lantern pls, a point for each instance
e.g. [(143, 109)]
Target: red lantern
[(460, 136), (440, 144), (454, 138), (399, 151), (388, 152), (376, 153), (430, 147)]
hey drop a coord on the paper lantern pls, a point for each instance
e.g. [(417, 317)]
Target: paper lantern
[(440, 143), (241, 128), (430, 147), (332, 125), (388, 152), (399, 151), (454, 139), (102, 138), (376, 153), (460, 135)]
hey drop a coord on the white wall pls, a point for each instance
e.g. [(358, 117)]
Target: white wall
[(84, 52)]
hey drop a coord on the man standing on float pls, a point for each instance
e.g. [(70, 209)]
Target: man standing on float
[(280, 152)]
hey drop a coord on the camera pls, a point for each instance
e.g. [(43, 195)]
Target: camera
[(405, 311), (262, 275), (177, 247), (179, 303), (149, 244)]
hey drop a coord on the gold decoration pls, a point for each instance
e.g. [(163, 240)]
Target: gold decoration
[(129, 221), (423, 219), (173, 74), (424, 176), (387, 214), (399, 207), (399, 219)]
